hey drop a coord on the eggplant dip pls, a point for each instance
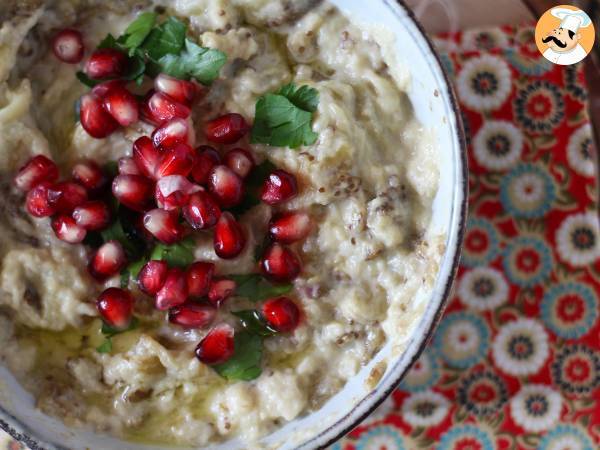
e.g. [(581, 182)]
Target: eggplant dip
[(214, 212)]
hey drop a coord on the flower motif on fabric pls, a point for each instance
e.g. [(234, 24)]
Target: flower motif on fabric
[(482, 393), (461, 340), (566, 437), (578, 239), (463, 437), (527, 261), (484, 83), (481, 243), (569, 309), (575, 82), (425, 409), (483, 39), (498, 145), (539, 106), (423, 374), (530, 65), (536, 407), (381, 437), (527, 191), (576, 369), (580, 151), (521, 347), (483, 288)]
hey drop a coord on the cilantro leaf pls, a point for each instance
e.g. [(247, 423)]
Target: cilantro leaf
[(245, 362), (167, 38), (121, 230), (284, 119), (105, 347), (109, 42), (138, 30), (255, 288), (253, 322), (203, 64), (131, 272), (176, 255)]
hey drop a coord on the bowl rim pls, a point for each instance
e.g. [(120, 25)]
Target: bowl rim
[(11, 425)]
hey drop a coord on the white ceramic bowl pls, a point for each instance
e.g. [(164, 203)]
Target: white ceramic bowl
[(435, 106)]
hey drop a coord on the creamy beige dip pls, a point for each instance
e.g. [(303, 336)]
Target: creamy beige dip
[(368, 182)]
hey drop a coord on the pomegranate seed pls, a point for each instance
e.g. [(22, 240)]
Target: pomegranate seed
[(134, 191), (280, 263), (226, 129), (93, 215), (240, 161), (177, 160), (226, 186), (67, 230), (229, 239), (290, 227), (106, 63), (162, 108), (116, 307), (89, 175), (281, 313), (177, 131), (181, 91), (174, 292), (67, 46), (94, 119), (217, 346), (145, 113), (199, 276), (127, 166), (174, 191), (279, 187), (67, 195), (37, 169), (220, 290), (192, 315), (37, 203), (108, 260), (100, 90), (206, 159), (146, 156), (202, 211), (152, 276), (163, 225), (122, 105)]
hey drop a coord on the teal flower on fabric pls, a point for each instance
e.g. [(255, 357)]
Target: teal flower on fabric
[(569, 309), (458, 437), (527, 191), (381, 437), (462, 339), (566, 436), (481, 244), (527, 261)]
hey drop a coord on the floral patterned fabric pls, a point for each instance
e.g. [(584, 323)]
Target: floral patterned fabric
[(515, 362)]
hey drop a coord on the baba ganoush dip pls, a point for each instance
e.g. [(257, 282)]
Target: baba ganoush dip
[(263, 269)]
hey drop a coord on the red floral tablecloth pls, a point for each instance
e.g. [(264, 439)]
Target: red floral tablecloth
[(515, 362)]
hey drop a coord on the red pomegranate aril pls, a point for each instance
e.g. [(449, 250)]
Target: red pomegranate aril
[(177, 131), (227, 129), (162, 108), (217, 346), (226, 186), (67, 46), (207, 158), (37, 169), (177, 160), (134, 191), (290, 227), (107, 261), (229, 239), (202, 211), (106, 63), (240, 161), (94, 118), (281, 313), (127, 166), (174, 291), (181, 91), (66, 229), (163, 225), (279, 187), (145, 113), (199, 276), (122, 105), (192, 315), (67, 195), (89, 175), (105, 87), (173, 192), (152, 276), (93, 215), (280, 264), (220, 290), (146, 156), (115, 307), (37, 203)]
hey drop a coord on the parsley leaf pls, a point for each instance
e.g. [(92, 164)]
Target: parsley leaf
[(253, 322), (176, 255), (138, 30), (123, 231), (167, 38), (109, 332), (245, 362), (131, 272), (255, 288), (284, 119), (109, 42), (105, 347), (197, 62)]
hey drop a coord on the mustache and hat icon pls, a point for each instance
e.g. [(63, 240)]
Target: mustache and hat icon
[(563, 42)]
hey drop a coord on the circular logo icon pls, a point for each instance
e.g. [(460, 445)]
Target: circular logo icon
[(564, 35)]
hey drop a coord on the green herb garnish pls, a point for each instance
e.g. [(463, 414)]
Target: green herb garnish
[(138, 30), (245, 362), (255, 288), (109, 332), (197, 62), (254, 322), (180, 254), (167, 38)]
